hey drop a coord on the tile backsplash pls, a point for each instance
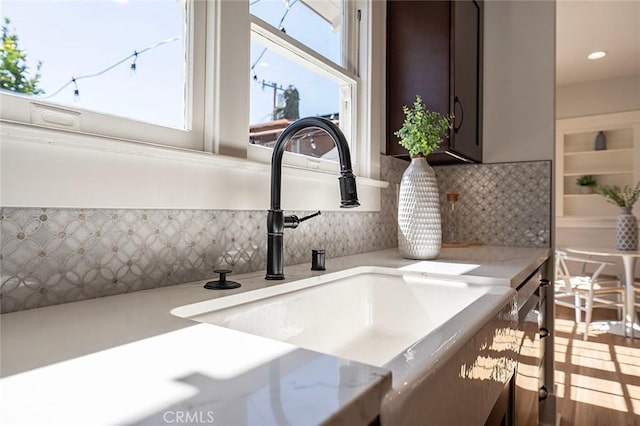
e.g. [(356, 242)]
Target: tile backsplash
[(507, 204), (51, 256)]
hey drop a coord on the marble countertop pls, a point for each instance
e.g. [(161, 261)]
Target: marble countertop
[(126, 359)]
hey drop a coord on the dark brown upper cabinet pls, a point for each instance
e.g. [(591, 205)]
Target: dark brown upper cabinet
[(434, 49)]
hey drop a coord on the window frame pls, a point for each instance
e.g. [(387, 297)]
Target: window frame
[(288, 47), (37, 112)]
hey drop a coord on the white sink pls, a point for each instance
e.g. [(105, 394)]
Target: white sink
[(366, 314), (447, 343)]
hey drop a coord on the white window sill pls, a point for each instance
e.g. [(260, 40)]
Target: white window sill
[(48, 168)]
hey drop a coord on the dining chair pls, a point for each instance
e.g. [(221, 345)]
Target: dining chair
[(584, 290)]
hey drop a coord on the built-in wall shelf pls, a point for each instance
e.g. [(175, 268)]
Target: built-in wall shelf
[(618, 164), (600, 172), (582, 196), (588, 205), (623, 151)]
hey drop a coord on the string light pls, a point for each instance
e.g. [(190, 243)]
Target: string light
[(76, 91), (255, 77), (280, 27), (134, 55), (286, 12), (133, 64)]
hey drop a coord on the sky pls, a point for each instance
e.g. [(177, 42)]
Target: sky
[(318, 95), (76, 38)]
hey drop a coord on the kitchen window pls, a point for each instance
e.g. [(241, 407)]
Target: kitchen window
[(298, 73), (214, 48), (126, 69)]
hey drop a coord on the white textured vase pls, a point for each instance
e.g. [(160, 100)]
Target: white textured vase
[(419, 226), (626, 230)]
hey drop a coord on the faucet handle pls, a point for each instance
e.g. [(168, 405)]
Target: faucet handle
[(302, 219), (293, 221)]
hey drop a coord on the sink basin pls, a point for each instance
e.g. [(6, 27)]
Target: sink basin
[(448, 344), (366, 314)]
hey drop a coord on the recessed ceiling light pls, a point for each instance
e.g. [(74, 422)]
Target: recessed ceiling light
[(597, 55)]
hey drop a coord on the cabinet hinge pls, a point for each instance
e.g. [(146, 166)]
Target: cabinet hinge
[(359, 15)]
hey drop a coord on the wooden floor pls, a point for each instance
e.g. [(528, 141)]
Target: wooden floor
[(597, 380)]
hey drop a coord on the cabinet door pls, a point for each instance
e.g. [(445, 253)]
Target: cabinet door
[(434, 49), (527, 382), (467, 82), (418, 61)]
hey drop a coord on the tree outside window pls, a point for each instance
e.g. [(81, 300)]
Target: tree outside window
[(14, 72)]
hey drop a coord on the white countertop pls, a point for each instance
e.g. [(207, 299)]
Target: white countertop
[(126, 359)]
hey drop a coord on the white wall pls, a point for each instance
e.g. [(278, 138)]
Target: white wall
[(598, 97), (519, 81), (592, 98)]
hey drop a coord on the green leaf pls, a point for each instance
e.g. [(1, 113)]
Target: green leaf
[(14, 71), (626, 197), (423, 131)]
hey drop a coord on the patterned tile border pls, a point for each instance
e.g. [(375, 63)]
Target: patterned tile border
[(52, 256)]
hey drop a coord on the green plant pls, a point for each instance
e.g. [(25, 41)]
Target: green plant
[(14, 72), (626, 197), (423, 130), (586, 180)]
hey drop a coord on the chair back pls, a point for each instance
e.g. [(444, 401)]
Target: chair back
[(563, 276), (564, 273), (585, 290)]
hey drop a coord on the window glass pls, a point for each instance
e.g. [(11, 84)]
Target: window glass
[(284, 86), (288, 91), (315, 23), (127, 57)]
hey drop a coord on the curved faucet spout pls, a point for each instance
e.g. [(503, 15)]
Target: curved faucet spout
[(350, 196), (275, 218)]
